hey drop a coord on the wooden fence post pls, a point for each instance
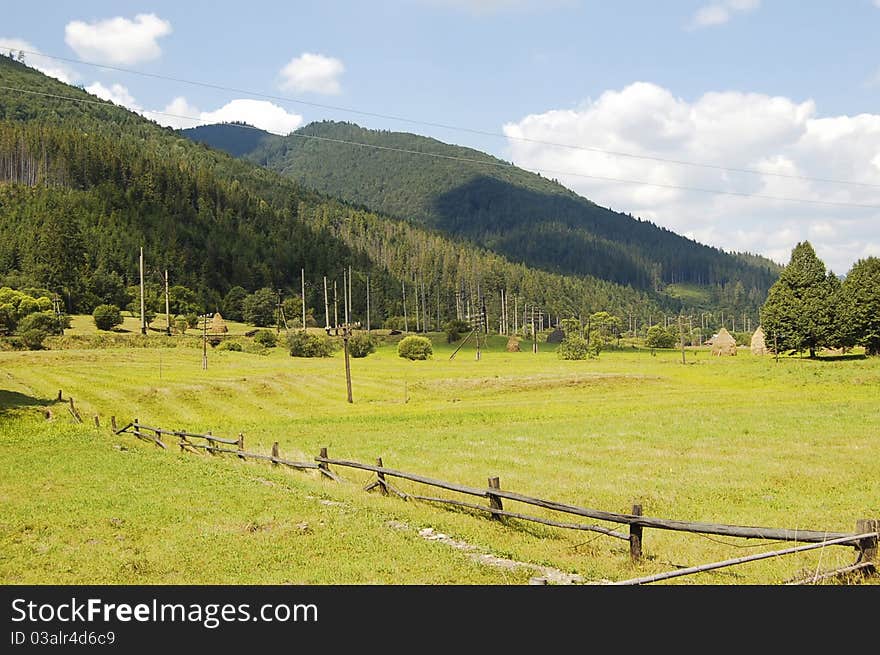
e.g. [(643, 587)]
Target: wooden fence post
[(635, 536), (210, 442), (97, 422), (323, 468), (113, 423), (383, 485), (868, 547), (240, 445), (274, 454), (59, 396), (495, 501)]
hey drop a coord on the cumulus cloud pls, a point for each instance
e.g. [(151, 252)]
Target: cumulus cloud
[(721, 12), (118, 40), (783, 139), (313, 72), (43, 64), (179, 113), (115, 93)]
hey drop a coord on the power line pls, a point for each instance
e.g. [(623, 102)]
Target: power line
[(457, 128), (497, 164)]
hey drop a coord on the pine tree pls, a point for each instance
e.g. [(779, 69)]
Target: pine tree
[(799, 313), (861, 305)]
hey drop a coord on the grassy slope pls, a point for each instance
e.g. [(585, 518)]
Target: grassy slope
[(730, 440)]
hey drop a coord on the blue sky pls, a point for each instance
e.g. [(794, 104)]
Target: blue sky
[(791, 89)]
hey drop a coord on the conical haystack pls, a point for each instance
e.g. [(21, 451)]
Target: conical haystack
[(723, 344), (759, 346), (513, 345), (218, 325)]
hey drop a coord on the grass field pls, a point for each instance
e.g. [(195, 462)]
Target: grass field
[(736, 440)]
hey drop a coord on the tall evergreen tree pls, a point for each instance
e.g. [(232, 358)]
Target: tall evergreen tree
[(861, 305), (799, 313)]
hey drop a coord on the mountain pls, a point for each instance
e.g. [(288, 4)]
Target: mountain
[(490, 202), (84, 184), (237, 139)]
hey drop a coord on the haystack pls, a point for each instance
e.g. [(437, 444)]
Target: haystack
[(218, 325), (513, 345), (723, 344), (759, 346)]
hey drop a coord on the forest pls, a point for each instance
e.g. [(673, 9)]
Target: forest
[(84, 185)]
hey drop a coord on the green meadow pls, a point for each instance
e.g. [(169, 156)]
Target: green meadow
[(742, 440)]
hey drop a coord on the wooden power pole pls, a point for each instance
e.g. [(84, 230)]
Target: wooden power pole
[(167, 306), (143, 303)]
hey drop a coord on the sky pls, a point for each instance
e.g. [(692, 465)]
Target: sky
[(777, 102)]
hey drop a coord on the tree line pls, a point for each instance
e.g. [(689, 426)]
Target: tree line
[(809, 308)]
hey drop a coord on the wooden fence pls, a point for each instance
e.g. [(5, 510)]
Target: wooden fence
[(864, 540)]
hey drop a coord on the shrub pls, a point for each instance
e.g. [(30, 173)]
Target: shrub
[(33, 339), (45, 321), (659, 337), (393, 323), (266, 338), (414, 347), (107, 317), (573, 347), (233, 346), (361, 345), (454, 330), (28, 305), (303, 344), (181, 325), (192, 320), (259, 307)]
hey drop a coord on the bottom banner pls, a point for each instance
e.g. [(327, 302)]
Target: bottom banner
[(224, 618)]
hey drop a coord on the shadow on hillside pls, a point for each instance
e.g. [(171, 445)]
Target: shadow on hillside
[(575, 235), (839, 358), (14, 400)]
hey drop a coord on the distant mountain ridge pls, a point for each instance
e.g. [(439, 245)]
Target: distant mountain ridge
[(493, 204)]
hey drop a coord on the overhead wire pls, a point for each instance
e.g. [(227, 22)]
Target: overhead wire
[(481, 162), (457, 128)]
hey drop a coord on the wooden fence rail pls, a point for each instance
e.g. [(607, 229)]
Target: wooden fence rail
[(864, 540), (747, 532)]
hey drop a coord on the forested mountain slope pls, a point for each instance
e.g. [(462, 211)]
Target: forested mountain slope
[(83, 185), (493, 204)]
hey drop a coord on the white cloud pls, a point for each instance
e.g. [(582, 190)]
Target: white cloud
[(732, 129), (313, 72), (179, 113), (118, 40), (259, 113), (114, 93), (721, 12), (46, 65)]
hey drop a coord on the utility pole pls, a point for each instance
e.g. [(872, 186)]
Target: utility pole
[(143, 304), (167, 306), (205, 341), (681, 336), (534, 334), (405, 322), (515, 314), (346, 333), (345, 283), (326, 308), (335, 309), (350, 285), (303, 273), (368, 303)]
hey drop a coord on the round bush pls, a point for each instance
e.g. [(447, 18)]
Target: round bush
[(107, 317), (303, 344), (361, 345), (45, 321), (33, 339), (266, 338), (233, 346), (414, 347), (573, 347)]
